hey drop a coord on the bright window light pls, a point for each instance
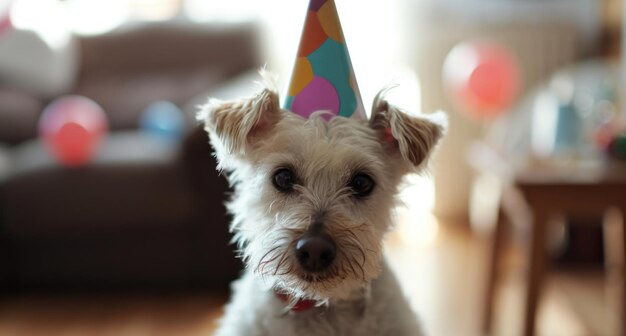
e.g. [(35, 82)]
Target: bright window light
[(92, 17), (47, 18), (154, 10), (223, 11), (416, 224)]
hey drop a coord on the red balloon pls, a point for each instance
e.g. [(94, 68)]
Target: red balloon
[(483, 78), (72, 128)]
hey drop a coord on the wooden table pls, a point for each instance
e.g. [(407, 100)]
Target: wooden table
[(545, 192)]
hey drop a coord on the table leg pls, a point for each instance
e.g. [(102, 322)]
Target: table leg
[(495, 251), (537, 256), (622, 324)]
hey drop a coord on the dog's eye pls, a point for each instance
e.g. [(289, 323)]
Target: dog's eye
[(284, 180), (361, 184)]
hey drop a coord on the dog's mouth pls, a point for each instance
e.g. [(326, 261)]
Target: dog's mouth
[(306, 264), (319, 277)]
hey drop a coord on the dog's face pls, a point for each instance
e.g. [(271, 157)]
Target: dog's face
[(314, 198)]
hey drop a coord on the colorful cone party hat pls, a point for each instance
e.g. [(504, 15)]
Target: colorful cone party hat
[(323, 78)]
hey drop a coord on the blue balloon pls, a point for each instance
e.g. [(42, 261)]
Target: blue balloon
[(163, 119)]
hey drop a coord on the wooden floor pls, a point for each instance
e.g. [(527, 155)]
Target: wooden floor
[(187, 315), (440, 267)]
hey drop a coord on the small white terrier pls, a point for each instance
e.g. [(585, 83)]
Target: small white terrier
[(313, 201)]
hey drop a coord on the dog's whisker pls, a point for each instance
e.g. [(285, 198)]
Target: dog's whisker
[(358, 249), (268, 253), (361, 267), (284, 257), (349, 262)]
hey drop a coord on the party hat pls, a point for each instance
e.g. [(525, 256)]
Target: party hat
[(323, 78)]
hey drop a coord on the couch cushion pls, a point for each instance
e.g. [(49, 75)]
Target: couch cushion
[(133, 184), (39, 63)]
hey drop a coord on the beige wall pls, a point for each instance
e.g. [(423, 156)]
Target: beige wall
[(612, 12)]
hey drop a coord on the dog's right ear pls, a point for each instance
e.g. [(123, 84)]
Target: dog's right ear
[(414, 137), (235, 126)]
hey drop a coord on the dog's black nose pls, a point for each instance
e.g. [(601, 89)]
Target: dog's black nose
[(315, 252)]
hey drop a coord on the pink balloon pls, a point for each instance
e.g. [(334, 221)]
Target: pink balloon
[(72, 128), (483, 78), (5, 19)]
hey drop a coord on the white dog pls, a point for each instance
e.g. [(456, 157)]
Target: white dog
[(313, 201)]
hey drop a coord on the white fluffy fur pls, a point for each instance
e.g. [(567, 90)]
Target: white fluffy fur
[(252, 137)]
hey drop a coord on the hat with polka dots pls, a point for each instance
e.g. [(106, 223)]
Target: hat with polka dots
[(323, 78)]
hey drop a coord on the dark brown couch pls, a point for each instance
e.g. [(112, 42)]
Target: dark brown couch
[(142, 214)]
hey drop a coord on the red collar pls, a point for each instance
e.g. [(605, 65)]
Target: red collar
[(300, 306)]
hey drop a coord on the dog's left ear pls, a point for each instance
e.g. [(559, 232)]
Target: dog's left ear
[(414, 137), (235, 126)]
